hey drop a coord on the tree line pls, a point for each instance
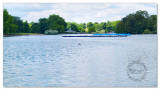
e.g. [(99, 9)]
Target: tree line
[(136, 23), (13, 24), (139, 22)]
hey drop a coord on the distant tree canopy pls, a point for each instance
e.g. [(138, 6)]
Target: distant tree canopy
[(8, 23), (13, 24), (35, 28), (43, 25), (19, 23), (91, 29), (89, 24), (139, 22), (26, 28), (55, 22)]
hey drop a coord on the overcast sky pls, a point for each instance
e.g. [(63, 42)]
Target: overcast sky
[(77, 12)]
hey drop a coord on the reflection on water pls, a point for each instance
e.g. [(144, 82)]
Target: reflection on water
[(56, 61)]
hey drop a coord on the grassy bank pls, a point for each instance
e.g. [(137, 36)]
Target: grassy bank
[(22, 34)]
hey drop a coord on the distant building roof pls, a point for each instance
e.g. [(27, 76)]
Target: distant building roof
[(70, 30)]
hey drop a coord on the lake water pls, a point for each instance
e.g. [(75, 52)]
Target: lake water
[(56, 61)]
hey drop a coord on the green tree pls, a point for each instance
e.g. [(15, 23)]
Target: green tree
[(89, 24), (114, 25), (109, 26), (120, 27), (98, 27), (55, 22), (31, 23), (82, 29), (19, 23), (26, 28), (91, 29), (136, 23), (104, 25), (8, 23), (43, 24), (35, 28), (83, 25), (96, 23), (152, 23), (68, 25), (147, 31), (74, 27)]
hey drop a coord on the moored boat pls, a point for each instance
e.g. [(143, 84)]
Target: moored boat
[(97, 35)]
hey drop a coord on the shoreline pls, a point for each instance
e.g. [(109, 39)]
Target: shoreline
[(23, 34), (29, 34)]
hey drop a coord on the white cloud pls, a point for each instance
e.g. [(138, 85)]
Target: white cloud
[(79, 12), (34, 16)]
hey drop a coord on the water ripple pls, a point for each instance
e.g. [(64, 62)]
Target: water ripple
[(54, 61)]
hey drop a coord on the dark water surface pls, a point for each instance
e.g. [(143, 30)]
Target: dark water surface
[(56, 61)]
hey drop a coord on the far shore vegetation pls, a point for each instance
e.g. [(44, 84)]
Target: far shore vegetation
[(139, 22)]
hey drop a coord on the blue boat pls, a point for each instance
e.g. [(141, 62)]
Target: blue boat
[(98, 35), (112, 34)]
